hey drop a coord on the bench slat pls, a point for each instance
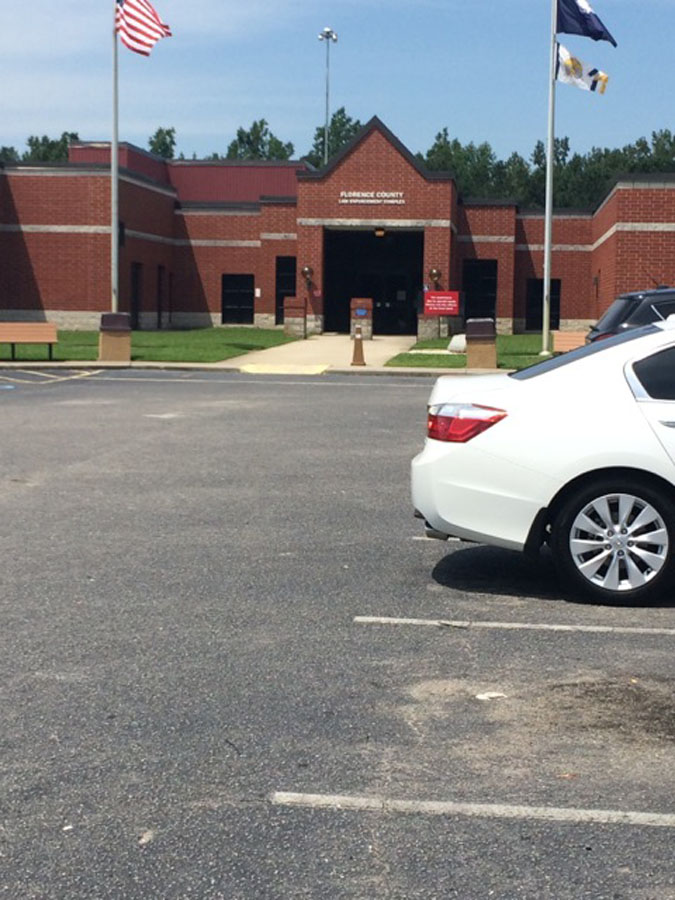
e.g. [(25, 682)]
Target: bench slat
[(568, 340), (28, 333)]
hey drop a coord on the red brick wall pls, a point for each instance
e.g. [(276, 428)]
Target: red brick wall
[(571, 266), (645, 258), (490, 221), (70, 271), (52, 270)]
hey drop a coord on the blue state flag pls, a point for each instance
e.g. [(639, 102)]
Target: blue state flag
[(577, 17)]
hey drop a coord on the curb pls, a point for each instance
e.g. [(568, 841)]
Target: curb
[(405, 371)]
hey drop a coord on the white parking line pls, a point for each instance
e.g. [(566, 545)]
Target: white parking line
[(510, 626), (180, 378), (480, 810)]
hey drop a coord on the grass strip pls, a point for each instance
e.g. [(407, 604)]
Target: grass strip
[(187, 345)]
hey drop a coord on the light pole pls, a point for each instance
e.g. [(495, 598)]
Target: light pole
[(327, 35)]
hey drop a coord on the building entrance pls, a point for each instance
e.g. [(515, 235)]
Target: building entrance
[(387, 269)]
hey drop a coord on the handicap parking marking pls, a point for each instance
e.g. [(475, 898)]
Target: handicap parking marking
[(40, 377), (511, 626), (570, 815)]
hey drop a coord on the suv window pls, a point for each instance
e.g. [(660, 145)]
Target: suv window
[(656, 374), (653, 311), (617, 313)]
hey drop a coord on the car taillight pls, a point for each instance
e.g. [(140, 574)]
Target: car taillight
[(459, 422)]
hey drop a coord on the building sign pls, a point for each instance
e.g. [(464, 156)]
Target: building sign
[(372, 198), (441, 303)]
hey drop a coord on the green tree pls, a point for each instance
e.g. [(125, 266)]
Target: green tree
[(511, 178), (163, 142), (473, 166), (8, 154), (341, 129), (663, 151), (258, 143), (46, 149)]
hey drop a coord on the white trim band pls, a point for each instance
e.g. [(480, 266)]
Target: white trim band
[(274, 236), (205, 243), (179, 242), (216, 212), (374, 223), (57, 229), (579, 248), (486, 239)]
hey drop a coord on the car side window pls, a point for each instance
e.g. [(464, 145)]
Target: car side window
[(656, 374)]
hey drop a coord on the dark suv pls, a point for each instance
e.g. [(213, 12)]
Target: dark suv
[(633, 310)]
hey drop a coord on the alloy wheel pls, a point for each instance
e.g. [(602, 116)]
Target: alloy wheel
[(619, 542)]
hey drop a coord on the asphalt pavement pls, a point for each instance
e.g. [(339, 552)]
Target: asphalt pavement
[(231, 665)]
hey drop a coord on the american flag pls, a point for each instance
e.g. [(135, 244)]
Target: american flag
[(139, 26)]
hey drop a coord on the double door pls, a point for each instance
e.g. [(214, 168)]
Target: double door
[(393, 302)]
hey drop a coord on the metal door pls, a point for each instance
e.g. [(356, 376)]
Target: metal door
[(237, 299)]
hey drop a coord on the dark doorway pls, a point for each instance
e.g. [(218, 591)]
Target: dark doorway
[(237, 299), (136, 293), (479, 283), (534, 302), (284, 285), (388, 269)]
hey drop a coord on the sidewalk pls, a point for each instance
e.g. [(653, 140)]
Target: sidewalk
[(316, 355)]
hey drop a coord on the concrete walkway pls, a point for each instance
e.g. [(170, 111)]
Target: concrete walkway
[(318, 354)]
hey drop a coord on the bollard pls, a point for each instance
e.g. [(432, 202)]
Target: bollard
[(357, 358)]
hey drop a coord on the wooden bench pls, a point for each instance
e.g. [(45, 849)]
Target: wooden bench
[(568, 340), (28, 333)]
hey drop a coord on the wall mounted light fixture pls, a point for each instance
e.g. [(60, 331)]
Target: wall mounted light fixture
[(380, 232), (435, 276), (307, 272)]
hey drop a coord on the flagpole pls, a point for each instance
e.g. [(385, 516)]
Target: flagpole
[(548, 214), (114, 180)]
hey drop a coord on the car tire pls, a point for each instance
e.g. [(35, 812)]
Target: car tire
[(613, 541)]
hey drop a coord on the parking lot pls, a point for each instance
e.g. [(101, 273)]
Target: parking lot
[(231, 666)]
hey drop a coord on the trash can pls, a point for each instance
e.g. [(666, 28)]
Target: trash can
[(481, 344), (114, 339)]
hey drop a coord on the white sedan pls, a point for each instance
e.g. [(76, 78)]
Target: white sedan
[(577, 451)]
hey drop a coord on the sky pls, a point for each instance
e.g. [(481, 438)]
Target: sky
[(477, 67)]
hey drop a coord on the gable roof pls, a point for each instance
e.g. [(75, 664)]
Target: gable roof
[(374, 124)]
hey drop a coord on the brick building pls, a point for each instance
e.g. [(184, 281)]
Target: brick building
[(228, 242)]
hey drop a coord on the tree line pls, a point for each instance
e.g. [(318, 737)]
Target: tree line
[(580, 180)]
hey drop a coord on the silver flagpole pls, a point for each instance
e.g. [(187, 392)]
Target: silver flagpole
[(114, 181), (548, 215)]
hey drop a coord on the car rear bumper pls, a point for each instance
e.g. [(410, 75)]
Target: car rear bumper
[(468, 494)]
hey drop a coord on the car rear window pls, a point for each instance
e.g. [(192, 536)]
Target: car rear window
[(557, 362), (656, 374), (617, 313)]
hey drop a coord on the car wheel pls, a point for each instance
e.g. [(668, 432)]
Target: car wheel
[(614, 541)]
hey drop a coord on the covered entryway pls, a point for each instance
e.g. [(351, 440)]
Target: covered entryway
[(384, 265)]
